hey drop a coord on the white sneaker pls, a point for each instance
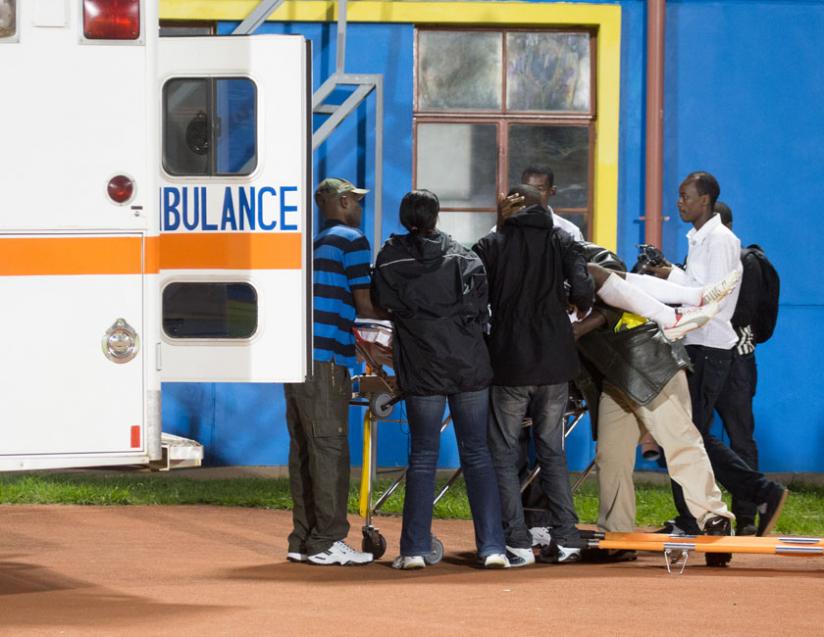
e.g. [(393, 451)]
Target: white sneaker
[(519, 557), (409, 562), (340, 553), (541, 535), (296, 557), (496, 560), (689, 319), (722, 288)]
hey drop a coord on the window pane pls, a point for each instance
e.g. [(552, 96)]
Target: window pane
[(186, 127), (209, 310), (236, 126), (466, 227), (563, 149), (8, 19), (548, 72), (458, 163), (459, 70)]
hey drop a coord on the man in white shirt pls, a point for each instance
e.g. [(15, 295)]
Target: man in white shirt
[(713, 252), (543, 180)]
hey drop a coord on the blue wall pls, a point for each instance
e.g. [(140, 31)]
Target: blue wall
[(743, 95)]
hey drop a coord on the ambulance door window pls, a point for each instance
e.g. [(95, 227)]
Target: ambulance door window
[(8, 18), (210, 310), (209, 126)]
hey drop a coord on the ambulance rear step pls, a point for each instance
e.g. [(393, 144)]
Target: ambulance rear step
[(178, 453)]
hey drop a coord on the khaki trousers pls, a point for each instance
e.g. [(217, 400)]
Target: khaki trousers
[(621, 423)]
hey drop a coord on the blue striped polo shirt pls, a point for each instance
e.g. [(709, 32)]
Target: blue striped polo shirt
[(341, 265)]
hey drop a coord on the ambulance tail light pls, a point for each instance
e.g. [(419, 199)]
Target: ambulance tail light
[(111, 19), (120, 189), (8, 21)]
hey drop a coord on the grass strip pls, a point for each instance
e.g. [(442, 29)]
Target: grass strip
[(803, 514)]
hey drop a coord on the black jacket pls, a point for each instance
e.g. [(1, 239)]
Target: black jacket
[(527, 261), (436, 292), (639, 361)]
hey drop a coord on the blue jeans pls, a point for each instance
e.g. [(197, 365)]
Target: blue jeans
[(469, 417)]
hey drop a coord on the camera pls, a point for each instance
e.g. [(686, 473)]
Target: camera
[(650, 255)]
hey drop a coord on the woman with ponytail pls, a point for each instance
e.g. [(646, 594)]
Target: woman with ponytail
[(435, 291)]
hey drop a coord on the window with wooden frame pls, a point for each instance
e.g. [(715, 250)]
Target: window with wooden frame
[(490, 104)]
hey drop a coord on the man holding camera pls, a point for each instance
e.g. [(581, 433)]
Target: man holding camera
[(713, 251)]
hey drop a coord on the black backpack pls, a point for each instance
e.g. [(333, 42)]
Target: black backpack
[(769, 285)]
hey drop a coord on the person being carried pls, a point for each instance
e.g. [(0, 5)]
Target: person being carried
[(533, 359), (317, 411), (640, 386)]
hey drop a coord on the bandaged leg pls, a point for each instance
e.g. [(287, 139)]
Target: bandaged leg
[(617, 292), (664, 290)]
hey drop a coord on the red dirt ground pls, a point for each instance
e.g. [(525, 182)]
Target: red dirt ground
[(71, 570)]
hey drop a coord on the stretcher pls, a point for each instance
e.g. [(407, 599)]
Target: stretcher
[(677, 548), (378, 391)]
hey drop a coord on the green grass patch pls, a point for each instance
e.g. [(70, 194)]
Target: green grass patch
[(803, 514)]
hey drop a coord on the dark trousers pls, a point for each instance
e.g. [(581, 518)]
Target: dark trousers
[(546, 404), (711, 368), (469, 412), (734, 405), (317, 414)]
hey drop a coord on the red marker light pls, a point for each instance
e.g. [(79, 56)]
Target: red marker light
[(120, 188), (111, 19)]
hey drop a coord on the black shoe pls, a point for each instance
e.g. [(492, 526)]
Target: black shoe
[(563, 551), (671, 528), (718, 525), (746, 528), (770, 509)]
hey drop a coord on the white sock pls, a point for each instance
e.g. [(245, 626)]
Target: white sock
[(618, 293), (666, 291)]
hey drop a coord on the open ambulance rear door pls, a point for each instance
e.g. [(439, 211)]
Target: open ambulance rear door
[(234, 209)]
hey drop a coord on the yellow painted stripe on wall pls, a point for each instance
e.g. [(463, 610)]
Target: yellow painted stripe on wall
[(605, 18)]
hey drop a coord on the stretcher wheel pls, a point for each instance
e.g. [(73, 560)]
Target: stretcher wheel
[(717, 559), (379, 405), (374, 543), (437, 552)]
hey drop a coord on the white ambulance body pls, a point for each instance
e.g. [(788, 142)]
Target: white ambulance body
[(154, 223)]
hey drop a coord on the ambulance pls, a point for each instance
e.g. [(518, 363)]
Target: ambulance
[(155, 224)]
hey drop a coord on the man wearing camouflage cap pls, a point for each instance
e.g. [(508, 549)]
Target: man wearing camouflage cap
[(317, 411)]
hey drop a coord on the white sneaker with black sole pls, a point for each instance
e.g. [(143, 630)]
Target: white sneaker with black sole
[(519, 557), (340, 553), (409, 562), (541, 535), (294, 556)]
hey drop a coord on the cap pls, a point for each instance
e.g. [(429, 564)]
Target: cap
[(337, 186)]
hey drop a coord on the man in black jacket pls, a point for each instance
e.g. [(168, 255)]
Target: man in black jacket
[(533, 359)]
